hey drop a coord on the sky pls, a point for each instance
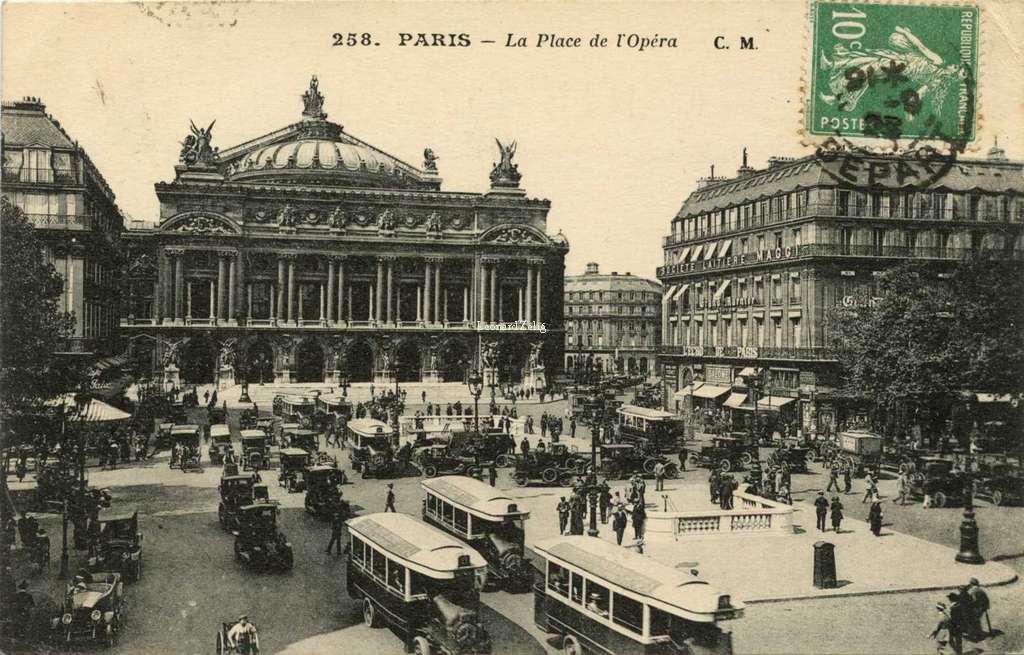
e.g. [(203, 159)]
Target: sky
[(614, 137)]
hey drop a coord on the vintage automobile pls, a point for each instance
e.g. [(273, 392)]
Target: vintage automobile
[(439, 460), (795, 458), (947, 485), (558, 464), (215, 414), (187, 438), (117, 546), (489, 521), (293, 462), (235, 491), (163, 434), (308, 440), (1002, 483), (92, 609), (249, 644), (220, 443), (255, 450), (725, 453), (373, 445), (420, 582), (248, 418), (622, 460), (258, 542), (323, 497)]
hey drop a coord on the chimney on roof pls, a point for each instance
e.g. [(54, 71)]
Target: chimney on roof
[(744, 170), (995, 153), (31, 103), (709, 180), (775, 162), (615, 272), (591, 268)]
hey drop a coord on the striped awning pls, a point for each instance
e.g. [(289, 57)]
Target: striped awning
[(723, 248), (710, 391), (710, 252), (695, 255), (95, 411), (667, 298), (682, 255), (721, 289)]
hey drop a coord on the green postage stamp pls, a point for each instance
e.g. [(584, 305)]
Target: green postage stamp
[(894, 71)]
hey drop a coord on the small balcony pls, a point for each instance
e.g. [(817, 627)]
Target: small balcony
[(61, 221)]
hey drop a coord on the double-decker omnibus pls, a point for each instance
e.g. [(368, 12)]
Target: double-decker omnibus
[(661, 429), (420, 582), (602, 598), (487, 520)]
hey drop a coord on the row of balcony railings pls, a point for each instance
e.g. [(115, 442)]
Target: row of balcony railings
[(752, 352), (40, 175), (510, 326), (807, 250), (982, 213), (77, 221)]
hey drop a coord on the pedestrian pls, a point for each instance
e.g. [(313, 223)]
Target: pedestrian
[(639, 518), (833, 479), (714, 485), (659, 476), (206, 397), (563, 515), (336, 524), (524, 446), (492, 473), (902, 487), (837, 514), (604, 501), (682, 459), (979, 604), (389, 501), (619, 524), (572, 428), (869, 489), (821, 510), (956, 623), (942, 629), (847, 479), (875, 517)]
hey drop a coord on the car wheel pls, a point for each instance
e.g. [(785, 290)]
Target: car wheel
[(671, 471), (725, 465), (430, 471), (939, 499), (571, 647), (421, 646), (521, 479), (694, 460), (502, 461), (370, 617), (649, 465), (998, 498), (549, 476), (746, 458)]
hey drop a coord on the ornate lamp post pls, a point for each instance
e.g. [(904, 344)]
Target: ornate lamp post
[(969, 549), (261, 364), (344, 383), (476, 388)]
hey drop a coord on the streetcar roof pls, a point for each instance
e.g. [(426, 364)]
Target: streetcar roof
[(645, 412), (296, 400), (369, 426), (417, 545), (219, 430), (662, 586), (475, 497), (334, 400), (253, 433)]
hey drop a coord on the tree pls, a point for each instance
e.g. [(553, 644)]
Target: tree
[(925, 340), (32, 326)]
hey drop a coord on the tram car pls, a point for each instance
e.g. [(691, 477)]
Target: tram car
[(602, 598), (662, 430), (490, 522), (418, 581)]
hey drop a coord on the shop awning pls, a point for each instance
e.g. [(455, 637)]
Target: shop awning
[(96, 411), (686, 391), (710, 391), (723, 249), (735, 400), (721, 290), (710, 252), (671, 292), (747, 372), (682, 290), (695, 255), (682, 254)]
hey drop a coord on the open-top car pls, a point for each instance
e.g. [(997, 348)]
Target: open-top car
[(293, 462), (117, 546), (92, 609), (938, 478), (373, 446), (258, 542), (220, 443), (620, 461), (1002, 483), (323, 496), (255, 450), (725, 453), (235, 491), (185, 443), (558, 464)]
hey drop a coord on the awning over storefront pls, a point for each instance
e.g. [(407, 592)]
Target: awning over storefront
[(671, 292), (735, 400), (723, 248), (764, 404), (722, 289), (682, 255), (748, 372), (710, 252), (685, 392), (95, 411), (696, 253), (710, 391)]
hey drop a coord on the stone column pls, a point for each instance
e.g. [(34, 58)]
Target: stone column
[(444, 314), (391, 288), (437, 290), (379, 292), (231, 287), (241, 280), (519, 303), (330, 291), (419, 303), (156, 300), (273, 302), (178, 283), (213, 299), (299, 316), (465, 304), (248, 303), (221, 275), (342, 302), (529, 292), (494, 288), (291, 289), (540, 286), (428, 281), (322, 302), (481, 283), (188, 299), (280, 289)]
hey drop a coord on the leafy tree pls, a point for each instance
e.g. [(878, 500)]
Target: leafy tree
[(32, 327), (924, 339)]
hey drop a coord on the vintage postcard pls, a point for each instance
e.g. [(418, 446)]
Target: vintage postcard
[(489, 327)]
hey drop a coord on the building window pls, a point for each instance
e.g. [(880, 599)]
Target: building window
[(776, 291), (846, 240), (778, 240), (759, 331), (796, 332), (796, 236), (794, 289), (911, 241), (760, 243), (843, 203), (877, 241), (778, 332), (744, 245)]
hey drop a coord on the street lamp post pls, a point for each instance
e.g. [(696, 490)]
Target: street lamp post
[(343, 382), (969, 549), (476, 387)]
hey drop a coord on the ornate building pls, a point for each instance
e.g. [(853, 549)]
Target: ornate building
[(754, 262), (52, 180), (308, 255), (612, 320)]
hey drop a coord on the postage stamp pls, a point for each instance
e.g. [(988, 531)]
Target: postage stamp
[(893, 71)]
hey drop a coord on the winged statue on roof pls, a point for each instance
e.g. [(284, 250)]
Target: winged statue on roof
[(197, 147)]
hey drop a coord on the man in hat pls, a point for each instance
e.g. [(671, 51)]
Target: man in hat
[(389, 500), (619, 523), (821, 510), (594, 605), (243, 636), (979, 605), (563, 515), (336, 524)]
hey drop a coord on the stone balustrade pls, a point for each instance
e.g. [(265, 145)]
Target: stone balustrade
[(750, 515)]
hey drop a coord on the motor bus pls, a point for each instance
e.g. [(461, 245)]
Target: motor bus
[(602, 598), (662, 430), (374, 445), (418, 581), (487, 520), (293, 408)]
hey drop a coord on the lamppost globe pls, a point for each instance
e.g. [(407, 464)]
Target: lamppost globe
[(476, 388)]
